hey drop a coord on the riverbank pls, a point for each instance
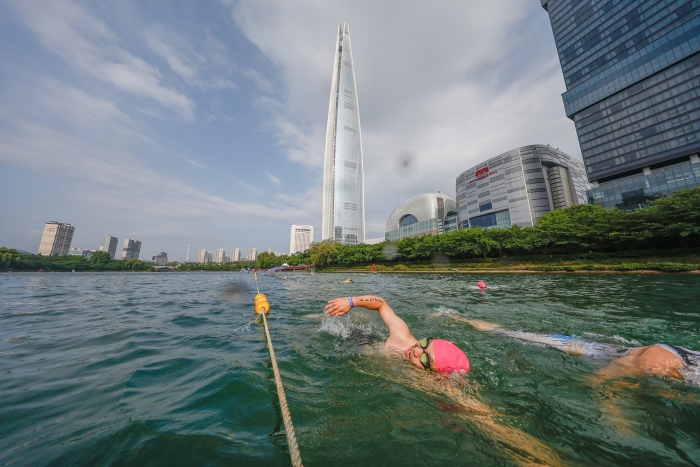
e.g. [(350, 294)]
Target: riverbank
[(672, 261)]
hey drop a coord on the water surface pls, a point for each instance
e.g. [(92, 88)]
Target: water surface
[(155, 369)]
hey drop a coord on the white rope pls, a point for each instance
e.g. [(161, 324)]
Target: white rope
[(286, 416)]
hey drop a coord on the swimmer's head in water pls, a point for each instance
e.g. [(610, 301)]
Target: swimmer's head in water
[(481, 284), (438, 355)]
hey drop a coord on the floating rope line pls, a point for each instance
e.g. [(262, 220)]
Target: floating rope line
[(262, 307)]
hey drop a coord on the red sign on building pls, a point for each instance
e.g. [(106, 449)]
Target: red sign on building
[(481, 174)]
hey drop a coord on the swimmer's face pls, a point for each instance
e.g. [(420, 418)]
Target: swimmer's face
[(413, 354)]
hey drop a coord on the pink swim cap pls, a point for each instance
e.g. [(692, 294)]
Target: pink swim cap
[(481, 284), (449, 357)]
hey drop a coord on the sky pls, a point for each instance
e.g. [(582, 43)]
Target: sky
[(203, 123)]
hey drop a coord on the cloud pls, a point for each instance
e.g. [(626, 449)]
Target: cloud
[(196, 164), (97, 157), (186, 61), (273, 179), (86, 42)]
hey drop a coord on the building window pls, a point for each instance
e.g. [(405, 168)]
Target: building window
[(407, 220), (500, 219)]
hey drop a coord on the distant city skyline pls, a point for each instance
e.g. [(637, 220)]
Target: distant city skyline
[(222, 134)]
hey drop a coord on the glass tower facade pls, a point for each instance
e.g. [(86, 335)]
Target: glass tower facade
[(632, 73), (343, 178)]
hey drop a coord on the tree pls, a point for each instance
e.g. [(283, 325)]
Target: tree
[(100, 260), (324, 252)]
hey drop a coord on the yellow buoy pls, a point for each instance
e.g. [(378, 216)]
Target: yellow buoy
[(261, 304)]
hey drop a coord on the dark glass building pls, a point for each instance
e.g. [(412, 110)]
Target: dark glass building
[(632, 73)]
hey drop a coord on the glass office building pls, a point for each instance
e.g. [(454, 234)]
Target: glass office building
[(519, 187), (632, 73), (343, 180), (427, 214)]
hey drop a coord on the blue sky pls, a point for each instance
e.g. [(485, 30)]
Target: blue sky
[(203, 123)]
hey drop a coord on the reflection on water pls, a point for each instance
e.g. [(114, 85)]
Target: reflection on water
[(148, 369)]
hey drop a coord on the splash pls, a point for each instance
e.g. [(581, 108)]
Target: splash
[(625, 341), (345, 326), (447, 311)]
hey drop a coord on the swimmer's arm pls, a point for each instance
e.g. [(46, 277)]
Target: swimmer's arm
[(396, 326)]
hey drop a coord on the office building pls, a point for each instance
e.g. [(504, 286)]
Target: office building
[(343, 178), (235, 254), (632, 73), (426, 214), (221, 256), (110, 246), (84, 252), (131, 250), (252, 254), (161, 259), (300, 238), (56, 239), (519, 187), (204, 256)]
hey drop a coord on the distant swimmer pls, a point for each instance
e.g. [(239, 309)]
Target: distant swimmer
[(374, 269), (657, 360), (430, 353), (481, 285), (349, 280)]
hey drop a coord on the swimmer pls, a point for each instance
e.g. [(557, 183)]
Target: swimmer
[(441, 356), (481, 285), (349, 281), (656, 360), (431, 354)]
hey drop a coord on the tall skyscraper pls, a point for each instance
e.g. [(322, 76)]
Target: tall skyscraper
[(204, 256), (235, 254), (56, 239), (632, 73), (343, 178), (252, 254), (131, 250), (300, 238), (110, 246), (220, 256)]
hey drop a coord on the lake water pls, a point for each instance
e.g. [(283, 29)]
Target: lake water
[(155, 370)]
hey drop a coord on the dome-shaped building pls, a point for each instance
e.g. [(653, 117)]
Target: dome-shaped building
[(427, 214)]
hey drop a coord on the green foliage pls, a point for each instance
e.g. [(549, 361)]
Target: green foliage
[(100, 261), (581, 229)]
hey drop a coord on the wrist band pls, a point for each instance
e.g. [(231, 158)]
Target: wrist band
[(352, 304)]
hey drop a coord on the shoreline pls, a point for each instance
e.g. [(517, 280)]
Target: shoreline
[(515, 271)]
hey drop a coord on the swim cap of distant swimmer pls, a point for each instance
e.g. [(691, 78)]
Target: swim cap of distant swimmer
[(481, 284), (449, 357)]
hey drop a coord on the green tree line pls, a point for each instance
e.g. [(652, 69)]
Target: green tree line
[(671, 222), (99, 261)]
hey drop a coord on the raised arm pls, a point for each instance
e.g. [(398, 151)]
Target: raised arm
[(398, 329)]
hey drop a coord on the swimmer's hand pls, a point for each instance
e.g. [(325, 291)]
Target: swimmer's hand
[(338, 307)]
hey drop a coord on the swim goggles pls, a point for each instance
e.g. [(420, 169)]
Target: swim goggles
[(425, 358)]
